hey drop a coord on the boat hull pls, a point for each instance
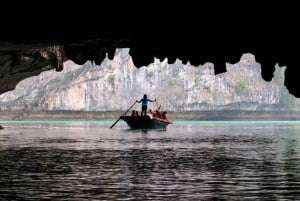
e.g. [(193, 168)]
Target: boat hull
[(144, 122)]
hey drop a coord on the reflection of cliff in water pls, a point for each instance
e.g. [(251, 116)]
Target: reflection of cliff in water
[(192, 160), (291, 165), (263, 165), (189, 115)]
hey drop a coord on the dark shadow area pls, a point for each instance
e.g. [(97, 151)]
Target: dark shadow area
[(195, 33)]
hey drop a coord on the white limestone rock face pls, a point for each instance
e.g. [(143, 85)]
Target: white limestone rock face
[(117, 83)]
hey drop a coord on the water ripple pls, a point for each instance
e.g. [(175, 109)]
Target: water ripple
[(236, 163)]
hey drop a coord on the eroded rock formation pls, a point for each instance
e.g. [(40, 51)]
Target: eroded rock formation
[(116, 83), (18, 63)]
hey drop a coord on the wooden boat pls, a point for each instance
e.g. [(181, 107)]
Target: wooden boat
[(145, 122)]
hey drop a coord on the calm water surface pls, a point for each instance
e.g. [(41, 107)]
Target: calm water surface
[(191, 160)]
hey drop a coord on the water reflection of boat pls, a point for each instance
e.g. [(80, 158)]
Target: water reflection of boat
[(145, 122)]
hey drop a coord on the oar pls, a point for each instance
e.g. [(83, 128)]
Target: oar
[(123, 115)]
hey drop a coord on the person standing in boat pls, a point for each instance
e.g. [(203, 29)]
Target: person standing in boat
[(144, 102)]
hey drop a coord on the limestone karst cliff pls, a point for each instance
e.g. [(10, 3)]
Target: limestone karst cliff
[(116, 84)]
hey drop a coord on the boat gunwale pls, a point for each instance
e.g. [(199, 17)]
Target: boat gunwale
[(146, 121)]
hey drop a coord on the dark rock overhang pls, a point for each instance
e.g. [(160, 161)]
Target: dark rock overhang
[(273, 37)]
